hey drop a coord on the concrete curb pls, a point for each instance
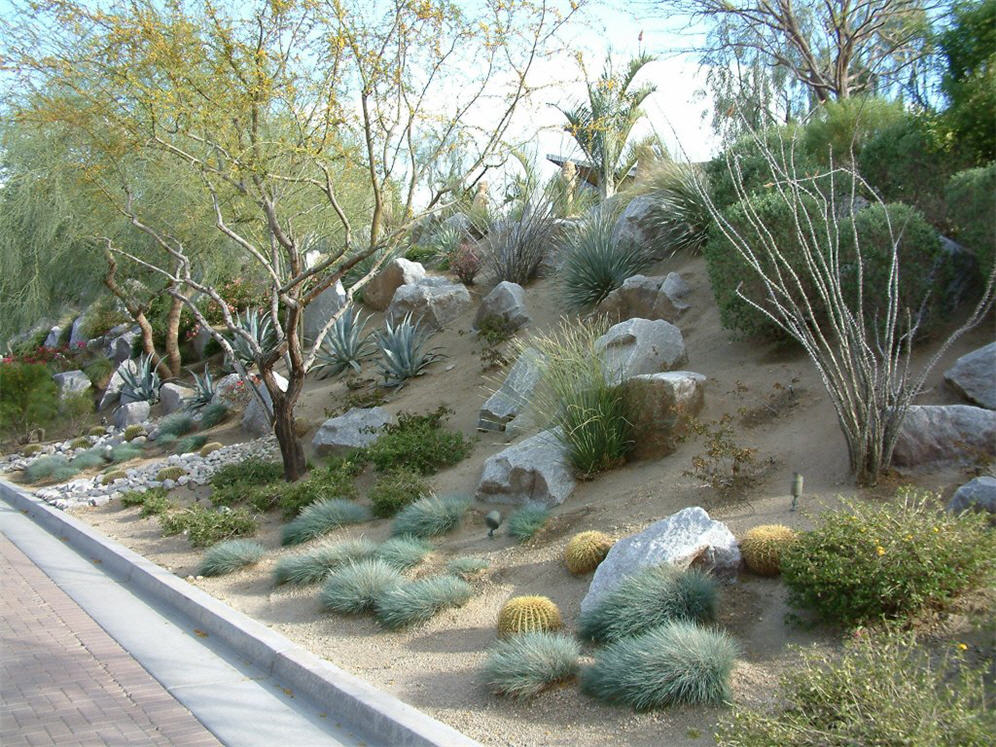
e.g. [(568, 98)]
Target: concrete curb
[(353, 700)]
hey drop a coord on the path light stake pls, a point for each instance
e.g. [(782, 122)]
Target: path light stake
[(797, 481), (493, 520)]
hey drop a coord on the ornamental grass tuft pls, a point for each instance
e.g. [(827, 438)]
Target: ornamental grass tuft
[(355, 587), (322, 517), (230, 556), (418, 601), (527, 664), (314, 565), (430, 516)]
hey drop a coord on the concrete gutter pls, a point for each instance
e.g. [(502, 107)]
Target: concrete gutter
[(382, 716)]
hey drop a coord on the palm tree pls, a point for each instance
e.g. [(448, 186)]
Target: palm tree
[(601, 126)]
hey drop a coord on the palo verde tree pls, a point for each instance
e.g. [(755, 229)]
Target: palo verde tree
[(270, 104)]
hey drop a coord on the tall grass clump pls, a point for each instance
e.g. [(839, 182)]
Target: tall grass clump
[(189, 443), (884, 689), (213, 414), (43, 468), (526, 664), (125, 452), (430, 516), (528, 520), (418, 601), (230, 556), (867, 563), (314, 565), (322, 517), (649, 598), (179, 424), (88, 459), (672, 664), (515, 248), (593, 264), (589, 414), (466, 567), (679, 218), (354, 588), (403, 552)]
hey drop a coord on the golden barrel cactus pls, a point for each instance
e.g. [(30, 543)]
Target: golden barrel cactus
[(210, 447), (170, 473), (763, 545), (528, 615), (585, 551), (110, 477)]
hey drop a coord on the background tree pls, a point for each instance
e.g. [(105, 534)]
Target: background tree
[(270, 106)]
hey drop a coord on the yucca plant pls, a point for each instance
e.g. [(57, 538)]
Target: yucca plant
[(345, 346), (141, 384), (260, 328), (515, 249), (204, 390), (403, 351)]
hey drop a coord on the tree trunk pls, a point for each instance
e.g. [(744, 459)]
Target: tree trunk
[(291, 451), (172, 336)]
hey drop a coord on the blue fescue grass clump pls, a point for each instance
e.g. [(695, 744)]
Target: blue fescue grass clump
[(177, 424), (466, 567), (354, 588), (649, 598), (43, 467), (528, 520), (213, 414), (431, 516), (230, 556), (189, 443), (418, 601), (88, 459), (314, 565), (61, 474), (322, 517), (671, 664), (166, 440), (125, 452), (524, 665), (403, 552)]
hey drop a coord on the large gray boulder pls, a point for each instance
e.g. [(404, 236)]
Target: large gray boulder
[(112, 394), (119, 348), (977, 495), (504, 306), (355, 429), (645, 297), (974, 376), (131, 413), (377, 293), (319, 311), (174, 396), (939, 435), (662, 405), (52, 340), (635, 226), (76, 335), (459, 222), (536, 469), (256, 420), (513, 395), (434, 303), (686, 539), (640, 346), (71, 383), (231, 392)]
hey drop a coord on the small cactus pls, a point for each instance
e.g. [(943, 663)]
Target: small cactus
[(30, 450), (585, 551), (133, 432), (210, 447), (80, 443), (170, 473), (528, 615), (762, 548), (110, 477), (97, 430)]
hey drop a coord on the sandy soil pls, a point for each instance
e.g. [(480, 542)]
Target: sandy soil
[(435, 667)]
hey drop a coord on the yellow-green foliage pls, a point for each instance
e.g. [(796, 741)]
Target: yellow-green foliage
[(97, 430), (585, 551), (112, 476), (210, 447), (80, 443), (762, 548), (170, 473), (133, 431), (30, 450), (528, 615)]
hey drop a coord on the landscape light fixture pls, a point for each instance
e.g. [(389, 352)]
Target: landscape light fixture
[(797, 482), (493, 520)]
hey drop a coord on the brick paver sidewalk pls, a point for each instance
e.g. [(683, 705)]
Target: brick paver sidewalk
[(64, 681)]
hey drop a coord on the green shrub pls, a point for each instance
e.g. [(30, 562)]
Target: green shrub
[(189, 443), (314, 565), (466, 567), (882, 690), (43, 467), (840, 128), (321, 518), (865, 563), (155, 502), (419, 443), (178, 424), (250, 471), (395, 490), (430, 516), (30, 397), (675, 663), (213, 414), (403, 552), (230, 556), (134, 497), (524, 665), (528, 520), (102, 316), (334, 480), (972, 211), (205, 526), (99, 372), (88, 459), (593, 264), (647, 599), (355, 587), (418, 601), (125, 452)]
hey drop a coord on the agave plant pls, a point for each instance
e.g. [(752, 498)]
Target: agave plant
[(260, 328), (402, 349), (345, 346), (204, 390), (141, 383)]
